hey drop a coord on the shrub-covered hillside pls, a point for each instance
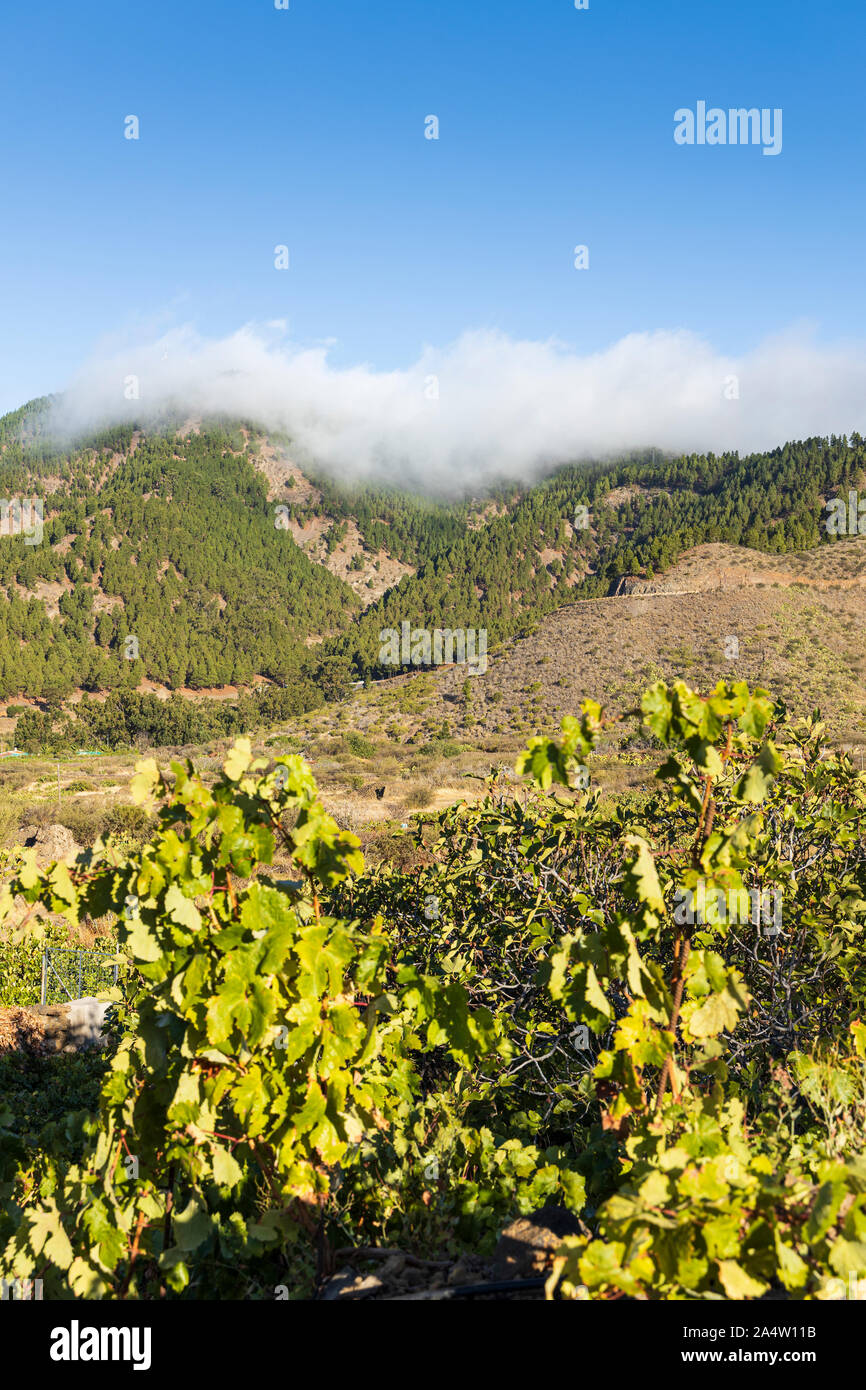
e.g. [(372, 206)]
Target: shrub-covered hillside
[(166, 557)]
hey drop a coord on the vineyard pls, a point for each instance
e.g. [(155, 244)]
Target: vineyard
[(643, 1012)]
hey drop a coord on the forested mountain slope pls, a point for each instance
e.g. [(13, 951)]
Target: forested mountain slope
[(169, 554), (164, 540)]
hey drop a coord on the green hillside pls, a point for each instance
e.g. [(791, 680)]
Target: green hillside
[(165, 559)]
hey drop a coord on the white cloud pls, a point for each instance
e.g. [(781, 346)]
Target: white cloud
[(498, 407)]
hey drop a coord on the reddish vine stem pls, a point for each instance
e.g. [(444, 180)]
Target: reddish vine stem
[(133, 1255), (117, 1155), (169, 1204), (231, 892)]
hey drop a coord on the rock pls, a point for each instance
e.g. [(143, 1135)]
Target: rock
[(467, 1270), (347, 1284), (51, 842), (338, 1285), (86, 1021), (50, 1028), (54, 1021), (526, 1248)]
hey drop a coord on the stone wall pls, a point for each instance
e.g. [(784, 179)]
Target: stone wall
[(53, 1027)]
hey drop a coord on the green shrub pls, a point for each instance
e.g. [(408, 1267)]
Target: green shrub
[(439, 748), (130, 824), (252, 1064), (518, 1011), (48, 1090), (360, 746), (9, 821)]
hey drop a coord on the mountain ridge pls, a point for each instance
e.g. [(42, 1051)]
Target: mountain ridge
[(197, 556)]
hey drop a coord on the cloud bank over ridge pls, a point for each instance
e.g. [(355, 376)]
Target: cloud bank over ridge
[(488, 406)]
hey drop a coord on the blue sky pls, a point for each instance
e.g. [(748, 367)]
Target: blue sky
[(306, 127)]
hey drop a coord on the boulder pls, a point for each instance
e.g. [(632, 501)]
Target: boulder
[(527, 1246), (51, 842), (86, 1021)]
